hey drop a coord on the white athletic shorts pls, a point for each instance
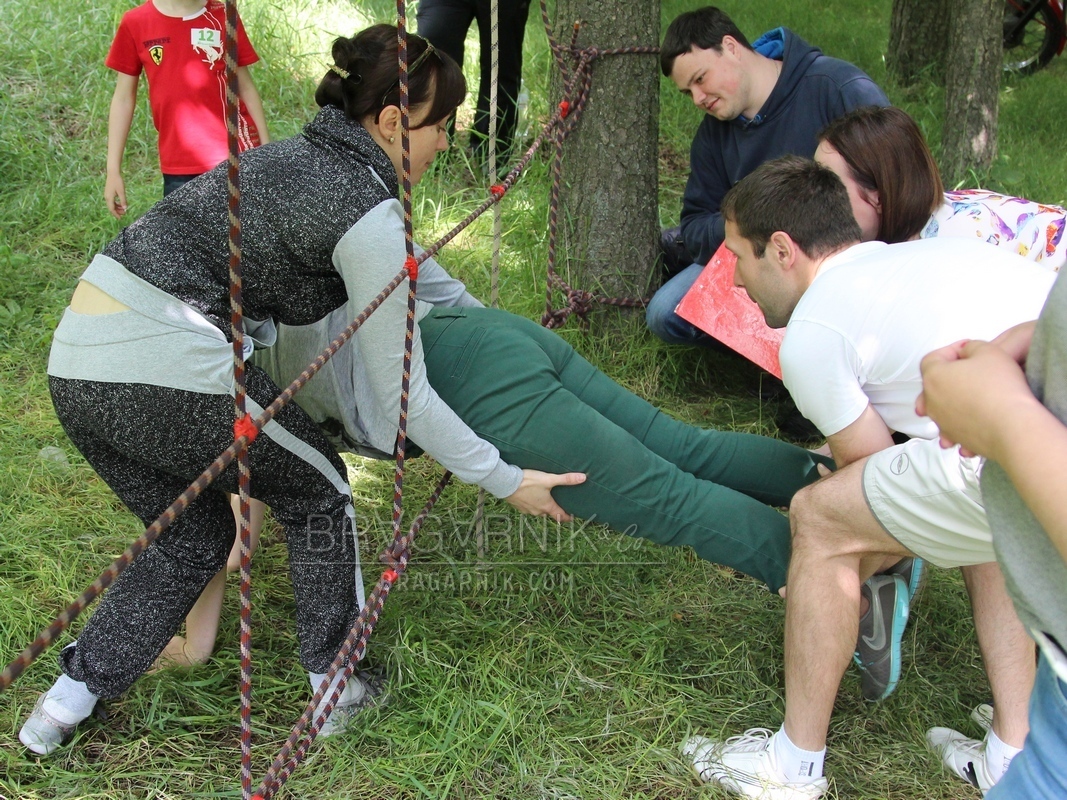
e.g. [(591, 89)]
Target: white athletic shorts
[(928, 499)]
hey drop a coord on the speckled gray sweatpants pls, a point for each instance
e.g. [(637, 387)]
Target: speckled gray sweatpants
[(149, 443)]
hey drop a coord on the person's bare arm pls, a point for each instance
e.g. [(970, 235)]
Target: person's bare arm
[(1033, 451), (119, 120), (246, 90), (865, 436)]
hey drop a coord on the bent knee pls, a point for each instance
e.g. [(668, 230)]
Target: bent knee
[(831, 518), (814, 519)]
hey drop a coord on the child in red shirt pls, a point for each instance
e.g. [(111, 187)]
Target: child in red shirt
[(180, 46)]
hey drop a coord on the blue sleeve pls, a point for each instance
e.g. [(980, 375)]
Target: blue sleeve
[(703, 229), (862, 91)]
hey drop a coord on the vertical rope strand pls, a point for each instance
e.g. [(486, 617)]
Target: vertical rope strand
[(494, 279), (237, 333), (410, 264), (494, 73)]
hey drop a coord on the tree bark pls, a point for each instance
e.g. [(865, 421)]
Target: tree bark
[(918, 40), (609, 211), (973, 70)]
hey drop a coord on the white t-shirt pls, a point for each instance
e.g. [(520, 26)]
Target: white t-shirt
[(873, 311)]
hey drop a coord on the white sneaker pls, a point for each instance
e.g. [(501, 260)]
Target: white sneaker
[(364, 689), (964, 756), (746, 765), (42, 733)]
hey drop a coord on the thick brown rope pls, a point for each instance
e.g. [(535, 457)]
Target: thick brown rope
[(409, 243), (233, 177)]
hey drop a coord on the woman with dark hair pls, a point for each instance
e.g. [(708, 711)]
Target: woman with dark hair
[(141, 366), (896, 192)]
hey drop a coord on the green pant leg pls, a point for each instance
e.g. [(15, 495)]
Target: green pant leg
[(767, 469), (494, 374)]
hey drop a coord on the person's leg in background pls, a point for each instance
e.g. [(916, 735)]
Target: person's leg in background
[(202, 621), (660, 316), (444, 24), (512, 30)]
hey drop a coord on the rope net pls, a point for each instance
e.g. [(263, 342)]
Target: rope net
[(574, 64)]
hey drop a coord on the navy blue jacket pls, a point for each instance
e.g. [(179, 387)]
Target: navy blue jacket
[(811, 92)]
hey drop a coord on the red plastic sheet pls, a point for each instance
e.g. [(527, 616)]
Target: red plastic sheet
[(725, 312)]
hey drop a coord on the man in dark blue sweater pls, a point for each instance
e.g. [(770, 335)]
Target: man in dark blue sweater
[(762, 101)]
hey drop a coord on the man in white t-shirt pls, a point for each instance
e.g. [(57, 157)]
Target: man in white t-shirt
[(858, 319)]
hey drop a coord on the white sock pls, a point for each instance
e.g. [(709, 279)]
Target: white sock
[(354, 689), (69, 701), (998, 755), (798, 766)]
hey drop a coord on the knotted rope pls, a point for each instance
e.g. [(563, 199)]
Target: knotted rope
[(575, 66)]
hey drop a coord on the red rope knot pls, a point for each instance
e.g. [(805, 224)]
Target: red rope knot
[(564, 108), (497, 190), (391, 576), (245, 427), (412, 267)]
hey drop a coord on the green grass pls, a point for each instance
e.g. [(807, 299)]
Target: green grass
[(548, 666)]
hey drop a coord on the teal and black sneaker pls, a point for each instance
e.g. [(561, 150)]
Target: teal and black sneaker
[(913, 571), (881, 631)]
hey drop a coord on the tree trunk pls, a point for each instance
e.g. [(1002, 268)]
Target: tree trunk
[(918, 40), (609, 210), (972, 83)]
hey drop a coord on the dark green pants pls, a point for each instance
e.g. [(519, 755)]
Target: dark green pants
[(528, 392)]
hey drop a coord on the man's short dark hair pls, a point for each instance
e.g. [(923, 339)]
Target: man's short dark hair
[(797, 196), (703, 28)]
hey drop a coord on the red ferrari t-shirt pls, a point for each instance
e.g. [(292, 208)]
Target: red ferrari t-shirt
[(182, 57)]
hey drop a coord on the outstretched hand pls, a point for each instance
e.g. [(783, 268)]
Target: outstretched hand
[(971, 387), (534, 495)]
